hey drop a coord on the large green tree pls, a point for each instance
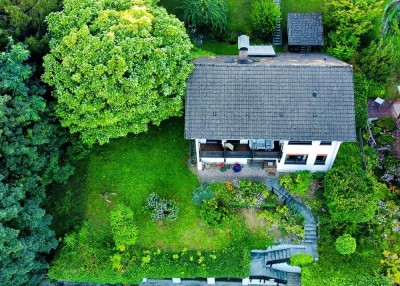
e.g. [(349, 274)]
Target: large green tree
[(116, 66), (30, 159), (377, 61), (24, 20), (347, 21)]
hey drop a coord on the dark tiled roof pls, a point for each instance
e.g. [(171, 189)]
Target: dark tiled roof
[(305, 29), (271, 99)]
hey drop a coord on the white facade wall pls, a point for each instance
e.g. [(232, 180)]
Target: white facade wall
[(312, 151)]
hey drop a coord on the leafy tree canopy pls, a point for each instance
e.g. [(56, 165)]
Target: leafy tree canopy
[(30, 157), (347, 21), (206, 15), (116, 66), (352, 17), (377, 60), (23, 19)]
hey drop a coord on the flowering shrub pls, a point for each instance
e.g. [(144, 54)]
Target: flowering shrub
[(161, 208), (244, 193), (286, 220), (392, 263)]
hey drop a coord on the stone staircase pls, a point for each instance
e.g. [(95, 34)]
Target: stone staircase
[(277, 37), (310, 225), (271, 265)]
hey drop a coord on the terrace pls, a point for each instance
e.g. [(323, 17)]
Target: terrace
[(216, 150)]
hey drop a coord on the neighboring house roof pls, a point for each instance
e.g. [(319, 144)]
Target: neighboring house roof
[(271, 99), (305, 29)]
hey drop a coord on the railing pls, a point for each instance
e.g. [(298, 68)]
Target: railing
[(241, 154)]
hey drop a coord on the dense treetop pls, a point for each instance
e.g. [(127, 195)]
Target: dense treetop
[(30, 159), (116, 66)]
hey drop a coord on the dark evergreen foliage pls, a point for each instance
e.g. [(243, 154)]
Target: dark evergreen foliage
[(30, 159)]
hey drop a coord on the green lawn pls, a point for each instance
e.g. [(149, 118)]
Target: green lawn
[(132, 168), (220, 48)]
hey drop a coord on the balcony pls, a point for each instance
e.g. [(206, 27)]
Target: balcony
[(211, 150)]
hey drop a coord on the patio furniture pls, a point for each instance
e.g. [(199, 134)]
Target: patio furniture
[(270, 167), (229, 146), (379, 101)]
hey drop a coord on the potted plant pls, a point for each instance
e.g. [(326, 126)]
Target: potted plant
[(222, 167), (236, 167)]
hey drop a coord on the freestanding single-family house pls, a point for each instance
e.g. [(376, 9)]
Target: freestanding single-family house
[(291, 111)]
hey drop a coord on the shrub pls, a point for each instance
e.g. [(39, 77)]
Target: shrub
[(386, 123), (392, 263), (265, 15), (202, 193), (288, 221), (123, 227), (342, 45), (377, 60), (206, 14), (213, 212), (361, 90), (298, 183), (384, 139), (345, 244), (161, 208), (350, 194), (301, 259)]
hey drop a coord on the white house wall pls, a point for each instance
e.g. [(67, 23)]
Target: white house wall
[(312, 151)]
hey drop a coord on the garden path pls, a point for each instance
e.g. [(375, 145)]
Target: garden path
[(247, 172), (272, 263)]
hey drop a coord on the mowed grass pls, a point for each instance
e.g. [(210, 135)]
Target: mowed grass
[(136, 166), (220, 48), (132, 168)]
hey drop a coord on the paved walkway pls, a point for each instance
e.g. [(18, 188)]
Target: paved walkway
[(249, 173)]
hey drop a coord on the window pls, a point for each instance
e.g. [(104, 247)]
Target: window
[(325, 143), (212, 141), (300, 142), (296, 159), (320, 160)]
